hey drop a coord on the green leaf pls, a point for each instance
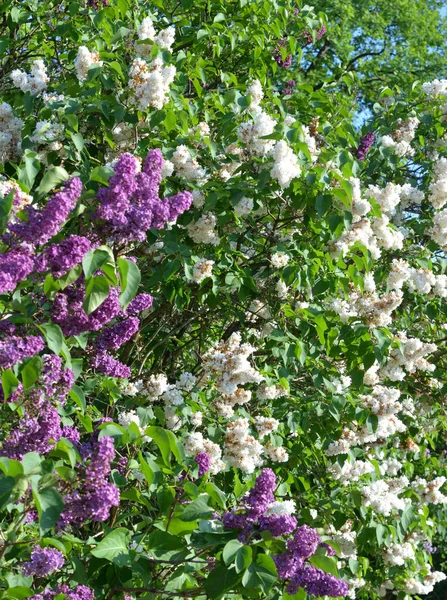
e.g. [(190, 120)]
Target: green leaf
[(5, 209), (31, 371), (261, 574), (49, 506), (53, 177), (326, 563), (407, 517), (10, 383), (164, 546), (148, 473), (101, 174), (114, 547), (77, 394), (96, 292), (54, 336), (197, 509), (28, 174), (95, 259), (220, 581), (230, 551), (167, 443), (130, 278), (235, 552), (7, 484)]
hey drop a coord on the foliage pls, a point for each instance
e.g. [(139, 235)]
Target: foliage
[(219, 283)]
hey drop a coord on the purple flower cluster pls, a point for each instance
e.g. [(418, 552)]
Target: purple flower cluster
[(139, 303), (112, 338), (289, 88), (107, 364), (61, 258), (15, 266), (428, 547), (42, 224), (68, 313), (34, 434), (80, 592), (203, 460), (43, 562), (320, 33), (14, 349), (131, 204), (40, 427), (93, 496), (256, 506), (291, 566), (365, 144), (284, 63)]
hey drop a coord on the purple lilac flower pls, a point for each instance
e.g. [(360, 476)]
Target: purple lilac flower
[(67, 311), (56, 381), (34, 434), (284, 63), (94, 496), (287, 565), (260, 497), (319, 583), (72, 434), (365, 144), (112, 338), (131, 204), (43, 562), (15, 266), (429, 548), (80, 592), (203, 460), (320, 33), (278, 524), (42, 224), (305, 542), (14, 349), (329, 550), (107, 364), (289, 88), (139, 303), (61, 258), (122, 464)]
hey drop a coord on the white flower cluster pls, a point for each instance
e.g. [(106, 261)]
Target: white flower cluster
[(84, 60), (439, 231), (10, 134), (287, 507), (350, 471), (225, 403), (242, 450), (244, 207), (228, 364), (390, 466), (164, 39), (270, 392), (285, 164), (186, 166), (21, 199), (48, 133), (413, 586), (251, 133), (400, 140), (125, 419), (345, 538), (150, 83), (397, 554), (408, 358), (256, 93), (33, 82), (437, 87), (202, 269), (203, 231), (438, 186), (375, 310), (429, 491), (382, 496), (276, 453), (422, 281), (279, 259), (196, 444), (311, 143), (265, 426)]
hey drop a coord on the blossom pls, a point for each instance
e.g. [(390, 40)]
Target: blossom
[(43, 562)]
